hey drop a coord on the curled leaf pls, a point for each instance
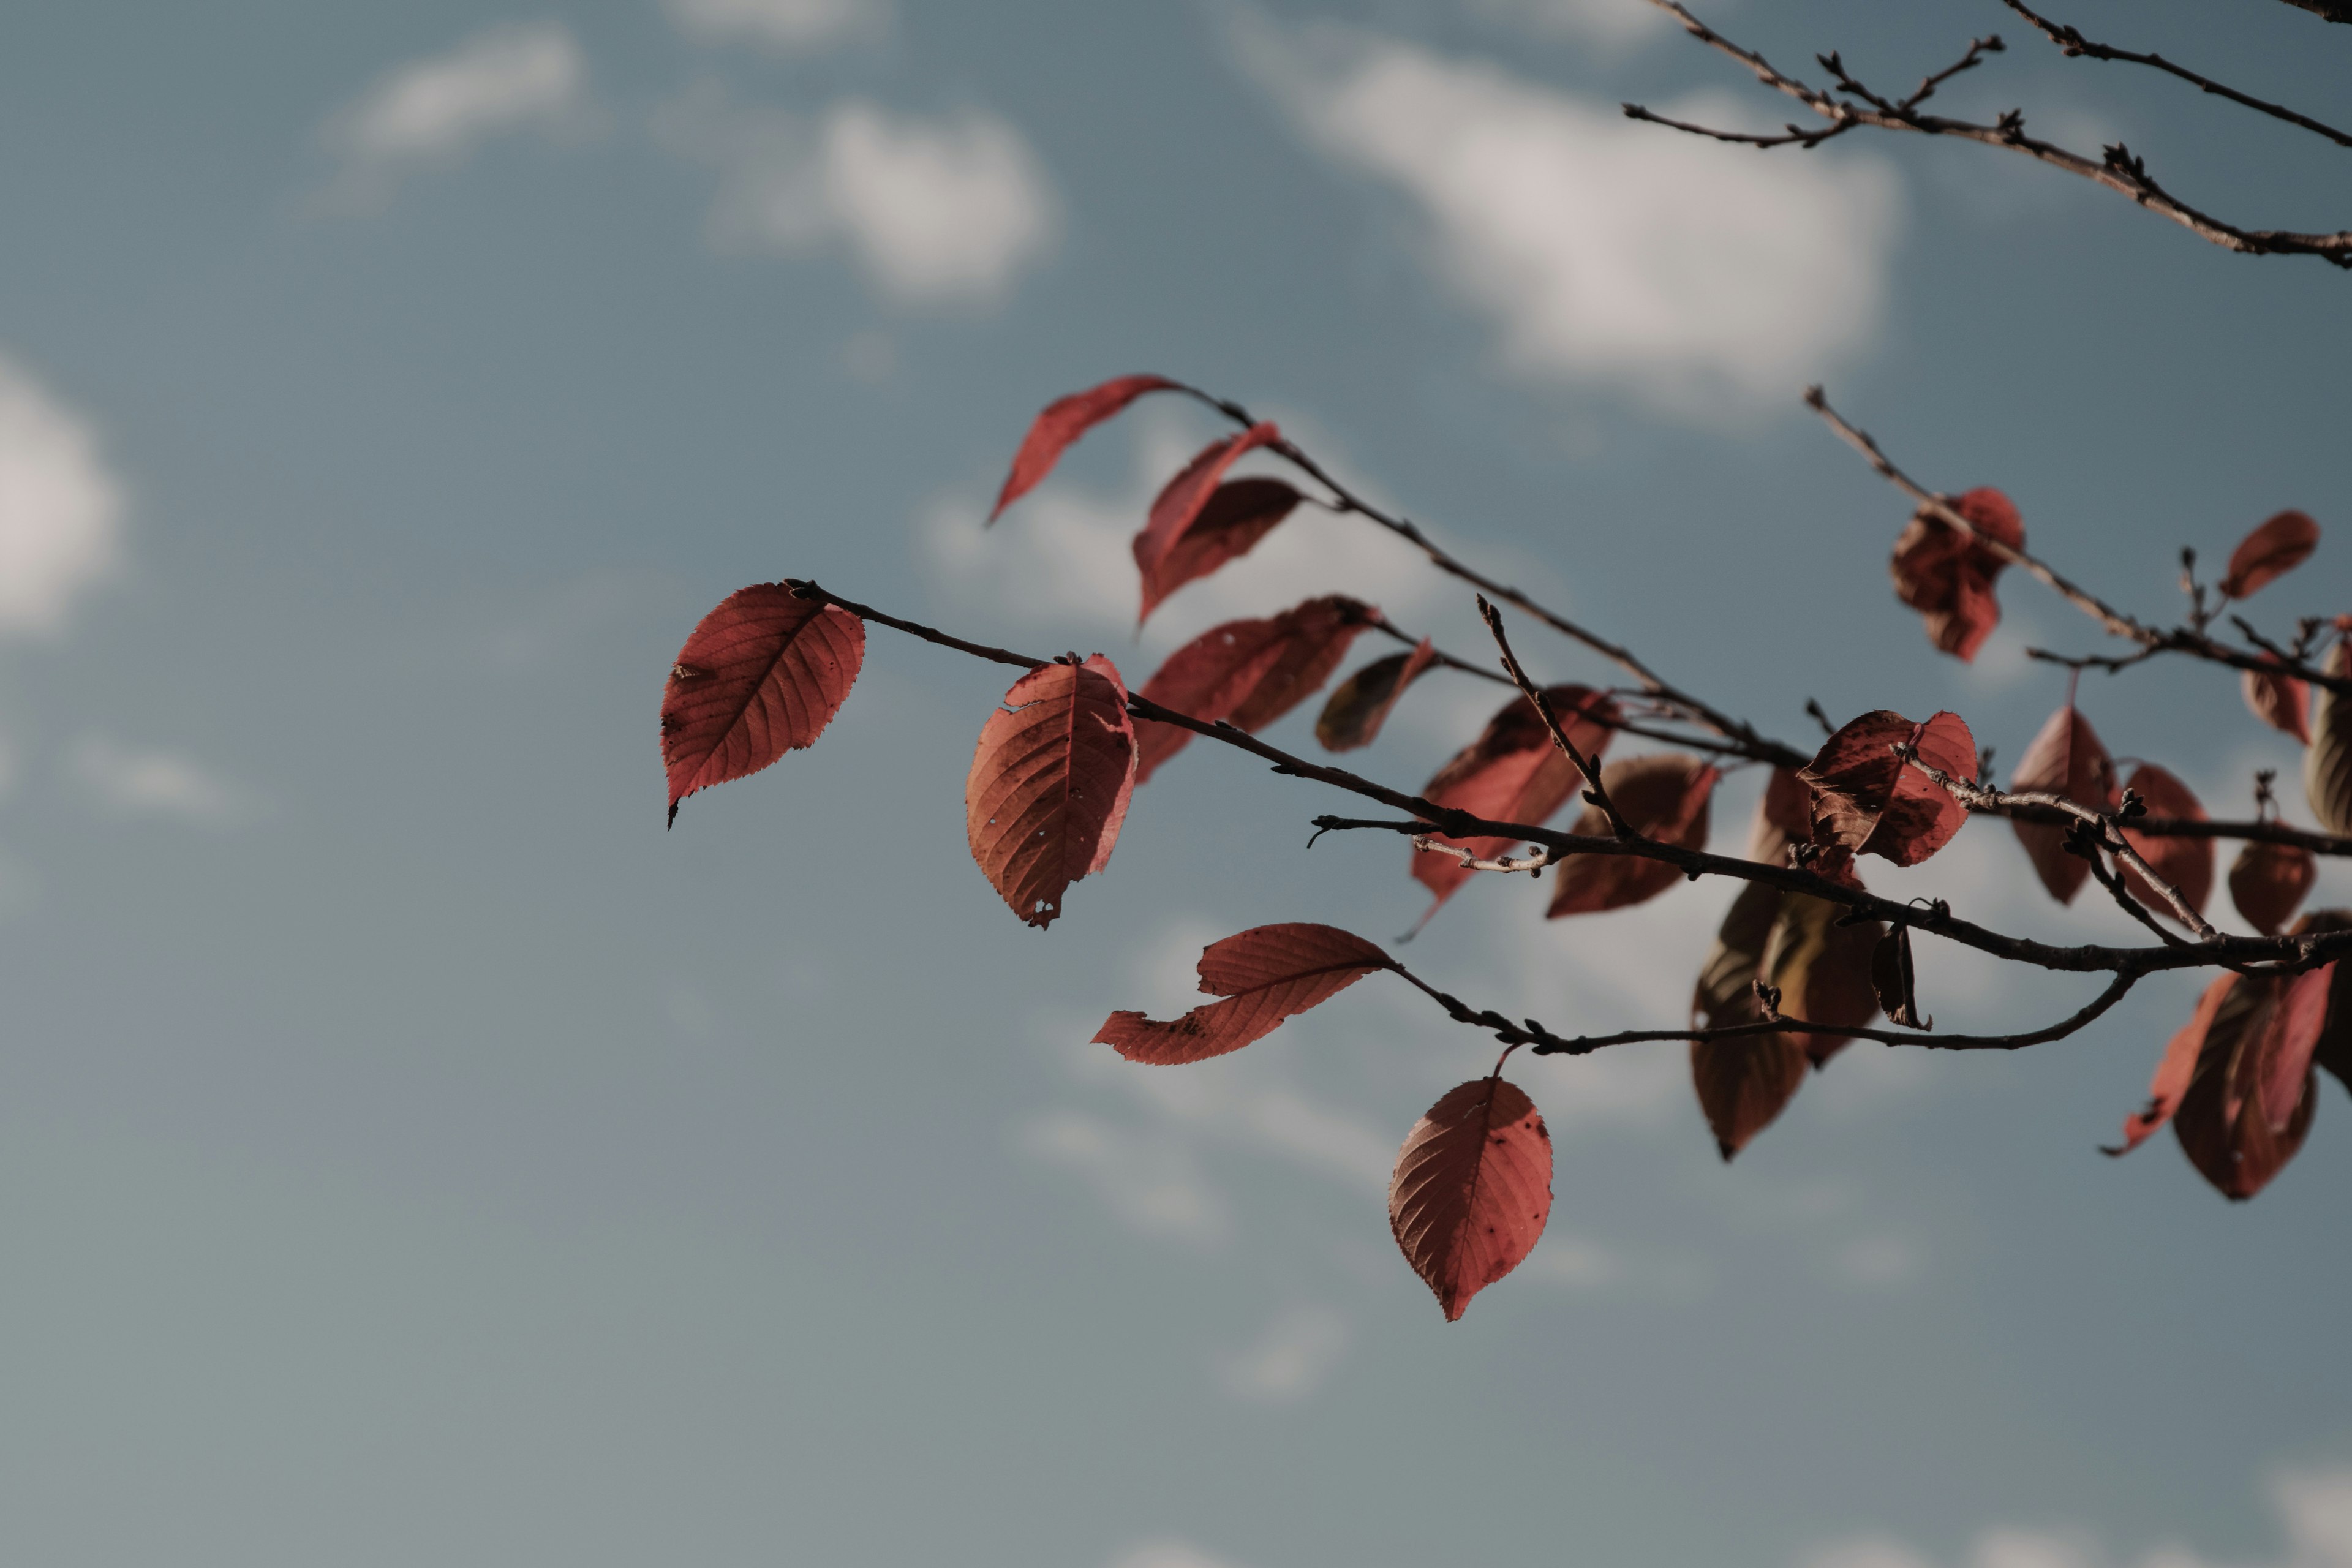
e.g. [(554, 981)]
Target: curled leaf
[(1237, 514), (1947, 575), (1791, 942), (2280, 700), (1249, 673), (2270, 551), (1264, 974), (1868, 801), (2327, 766), (2268, 882), (1049, 785), (1183, 500), (1472, 1189), (1663, 796), (1059, 426), (1894, 978), (1360, 705), (2065, 759), (1512, 772), (764, 673), (2186, 863)]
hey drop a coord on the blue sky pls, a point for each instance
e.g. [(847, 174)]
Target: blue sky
[(409, 1152)]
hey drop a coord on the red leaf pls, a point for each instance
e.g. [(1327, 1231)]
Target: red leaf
[(2327, 766), (2186, 863), (1783, 816), (1948, 577), (2174, 1069), (2065, 759), (1236, 515), (764, 673), (1512, 772), (2270, 551), (2268, 882), (1472, 1189), (1249, 673), (1049, 785), (2280, 700), (1183, 500), (2251, 1093), (1791, 941), (1664, 796), (1266, 975), (1362, 703), (1063, 420), (1867, 801)]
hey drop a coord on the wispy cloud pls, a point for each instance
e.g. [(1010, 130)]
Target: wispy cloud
[(1149, 1181), (946, 212), (60, 507), (132, 781), (1168, 1554), (1607, 25), (2314, 1509), (434, 112), (1703, 278), (785, 27)]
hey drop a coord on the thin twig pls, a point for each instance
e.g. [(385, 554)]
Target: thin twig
[(1595, 791), (2068, 39), (2116, 168)]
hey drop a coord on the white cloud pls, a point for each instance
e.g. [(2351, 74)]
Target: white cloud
[(1149, 1181), (60, 510), (1168, 1554), (1289, 1359), (1702, 276), (528, 76), (1064, 557), (129, 781), (786, 26), (1605, 25), (2314, 1508), (946, 212)]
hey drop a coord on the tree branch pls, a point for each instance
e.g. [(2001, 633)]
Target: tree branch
[(2116, 169), (2068, 39)]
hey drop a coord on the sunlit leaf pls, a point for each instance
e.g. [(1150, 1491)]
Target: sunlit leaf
[(1049, 785), (764, 673), (1060, 425), (1250, 672), (1183, 500), (1512, 772), (1264, 974), (1237, 514), (1472, 1189), (2327, 766)]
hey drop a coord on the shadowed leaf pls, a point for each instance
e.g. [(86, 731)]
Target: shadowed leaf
[(1059, 426), (1512, 772), (764, 673), (2268, 882), (1472, 1189), (1237, 514), (2186, 863), (1183, 500), (2269, 552), (2327, 766), (1784, 815), (1362, 703), (1264, 976), (1249, 673), (2279, 701), (2068, 760), (1867, 801), (1894, 979), (1049, 785), (1664, 796), (1947, 575), (2251, 1092), (2174, 1069)]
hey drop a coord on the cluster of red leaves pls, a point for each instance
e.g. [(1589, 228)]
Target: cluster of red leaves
[(1057, 761)]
